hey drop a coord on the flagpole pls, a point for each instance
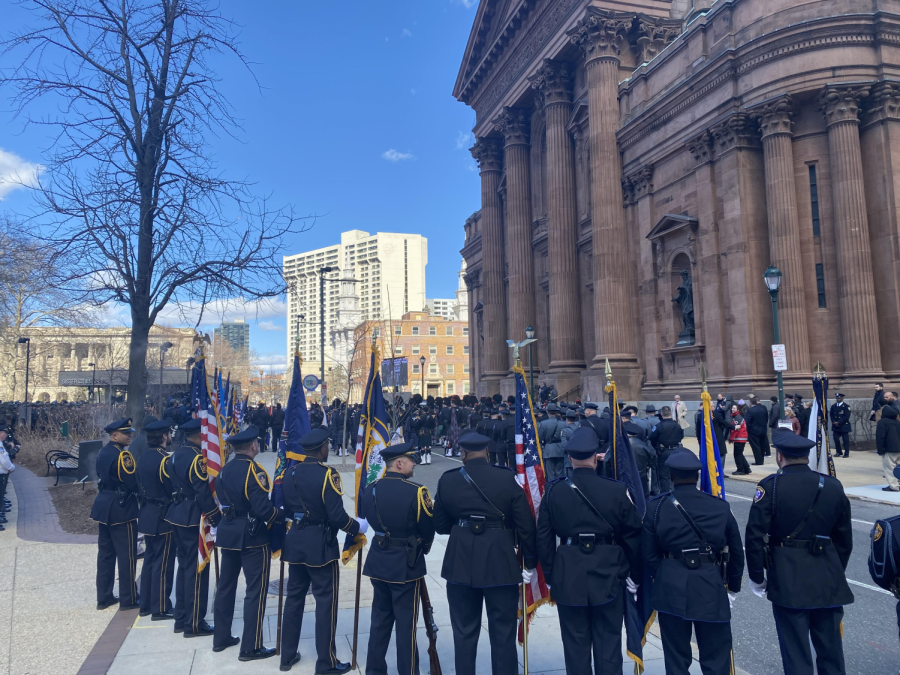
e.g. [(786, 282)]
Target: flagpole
[(524, 625)]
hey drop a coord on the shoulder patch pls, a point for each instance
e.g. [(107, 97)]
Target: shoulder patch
[(877, 532), (334, 479), (262, 478), (425, 502), (126, 462), (199, 467), (760, 493)]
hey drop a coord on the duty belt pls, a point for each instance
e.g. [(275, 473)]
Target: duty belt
[(704, 557), (398, 544), (465, 522), (667, 447), (792, 543), (577, 540), (300, 515)]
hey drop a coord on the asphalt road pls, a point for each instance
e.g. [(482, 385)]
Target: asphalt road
[(871, 643)]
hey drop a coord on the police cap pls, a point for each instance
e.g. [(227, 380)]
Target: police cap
[(683, 459), (474, 442), (160, 425), (650, 408), (591, 406), (625, 413), (790, 444), (249, 434), (315, 439), (571, 414), (192, 426), (552, 408), (123, 425), (632, 429), (401, 450), (583, 443)]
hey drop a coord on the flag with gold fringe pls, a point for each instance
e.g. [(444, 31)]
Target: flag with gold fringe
[(820, 458), (712, 475)]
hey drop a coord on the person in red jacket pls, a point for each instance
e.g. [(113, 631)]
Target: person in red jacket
[(739, 437)]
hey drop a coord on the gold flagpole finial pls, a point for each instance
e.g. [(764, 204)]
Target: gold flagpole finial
[(703, 376), (608, 372), (819, 370)]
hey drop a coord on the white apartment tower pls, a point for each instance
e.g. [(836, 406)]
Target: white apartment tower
[(389, 270)]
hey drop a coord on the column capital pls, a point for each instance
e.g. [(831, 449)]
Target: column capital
[(650, 35), (775, 116), (641, 182), (701, 147), (600, 34), (627, 191), (884, 102), (736, 131), (840, 103), (553, 82), (488, 153), (514, 124)]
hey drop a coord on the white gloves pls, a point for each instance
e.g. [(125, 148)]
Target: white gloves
[(363, 525), (527, 576), (731, 597), (631, 586), (759, 590)]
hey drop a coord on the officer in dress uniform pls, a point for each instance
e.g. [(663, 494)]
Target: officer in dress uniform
[(598, 556), (191, 496), (243, 535), (158, 572), (485, 512), (840, 426), (665, 437), (806, 516), (312, 494), (400, 512), (116, 510), (692, 549)]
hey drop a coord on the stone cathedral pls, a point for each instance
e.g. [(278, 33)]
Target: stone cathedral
[(644, 162)]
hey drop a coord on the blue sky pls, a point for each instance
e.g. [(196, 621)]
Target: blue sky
[(355, 122)]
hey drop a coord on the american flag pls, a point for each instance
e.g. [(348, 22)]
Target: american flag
[(209, 447), (530, 475)]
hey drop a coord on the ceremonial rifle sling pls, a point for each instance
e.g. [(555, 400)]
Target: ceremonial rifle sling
[(304, 520), (477, 527), (593, 509), (818, 543), (385, 535), (692, 556)]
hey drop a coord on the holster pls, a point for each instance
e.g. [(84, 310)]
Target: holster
[(413, 546), (228, 512), (766, 553), (330, 535), (178, 496), (724, 557), (254, 526), (123, 493)]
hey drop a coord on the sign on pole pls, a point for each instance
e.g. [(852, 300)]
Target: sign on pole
[(779, 356), (310, 382)]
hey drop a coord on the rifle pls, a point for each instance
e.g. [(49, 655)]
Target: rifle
[(431, 629)]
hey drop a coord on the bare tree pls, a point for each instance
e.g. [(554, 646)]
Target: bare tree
[(133, 190)]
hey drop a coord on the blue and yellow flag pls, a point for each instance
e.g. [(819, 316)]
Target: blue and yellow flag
[(712, 476)]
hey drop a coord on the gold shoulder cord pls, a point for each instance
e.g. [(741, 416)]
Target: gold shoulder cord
[(332, 478), (425, 503), (126, 463), (263, 481), (198, 466)]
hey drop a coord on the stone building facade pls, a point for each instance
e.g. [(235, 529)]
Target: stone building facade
[(623, 143)]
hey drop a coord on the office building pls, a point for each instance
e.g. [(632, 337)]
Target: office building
[(237, 334)]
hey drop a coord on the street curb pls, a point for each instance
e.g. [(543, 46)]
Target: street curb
[(857, 497)]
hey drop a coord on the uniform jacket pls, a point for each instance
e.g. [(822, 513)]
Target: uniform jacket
[(757, 418), (318, 487), (116, 501), (840, 418), (887, 433), (698, 594), (156, 492), (244, 485), (600, 425), (549, 431), (797, 578), (405, 512), (186, 469), (591, 575), (486, 559), (667, 433)]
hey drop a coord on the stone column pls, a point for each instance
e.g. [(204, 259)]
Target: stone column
[(600, 36), (554, 84), (784, 229), (488, 153), (859, 322), (514, 124)]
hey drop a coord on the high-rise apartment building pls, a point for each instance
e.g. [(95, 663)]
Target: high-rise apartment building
[(389, 273), (440, 307), (237, 334)]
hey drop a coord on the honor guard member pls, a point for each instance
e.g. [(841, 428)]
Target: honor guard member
[(692, 550), (400, 513), (116, 511), (599, 554), (313, 499), (158, 572), (191, 498), (485, 512), (665, 437), (806, 518), (243, 488)]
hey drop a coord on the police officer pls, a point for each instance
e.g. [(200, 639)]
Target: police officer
[(549, 432), (840, 426), (598, 556), (243, 535), (158, 572), (400, 512), (498, 435), (116, 509), (508, 434), (485, 512), (572, 424), (801, 570), (186, 468), (312, 494), (665, 437), (692, 549)]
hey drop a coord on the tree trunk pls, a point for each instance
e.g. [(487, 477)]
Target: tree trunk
[(136, 392)]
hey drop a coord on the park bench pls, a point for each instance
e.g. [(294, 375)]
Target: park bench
[(60, 460)]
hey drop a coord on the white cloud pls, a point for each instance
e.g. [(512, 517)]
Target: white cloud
[(396, 156), (468, 4), (464, 139), (269, 325), (187, 314), (15, 172), (406, 33), (270, 362), (412, 91), (471, 166)]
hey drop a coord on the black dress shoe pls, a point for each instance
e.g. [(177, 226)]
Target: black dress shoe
[(162, 616), (256, 654), (125, 608), (232, 641), (179, 628), (204, 630), (339, 669), (284, 667), (108, 603), (144, 613)]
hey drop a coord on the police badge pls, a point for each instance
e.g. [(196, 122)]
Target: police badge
[(760, 493)]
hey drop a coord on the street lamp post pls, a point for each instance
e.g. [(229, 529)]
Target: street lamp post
[(163, 348), (772, 277), (422, 369), (190, 362), (93, 379), (529, 335), (27, 342)]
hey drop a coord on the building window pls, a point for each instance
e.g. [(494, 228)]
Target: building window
[(432, 330), (398, 349), (820, 284), (450, 369), (449, 330), (465, 369), (398, 330), (465, 331), (415, 349), (451, 387), (432, 349), (814, 200), (449, 350), (432, 369), (375, 332), (465, 350), (465, 386), (415, 368), (415, 330)]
